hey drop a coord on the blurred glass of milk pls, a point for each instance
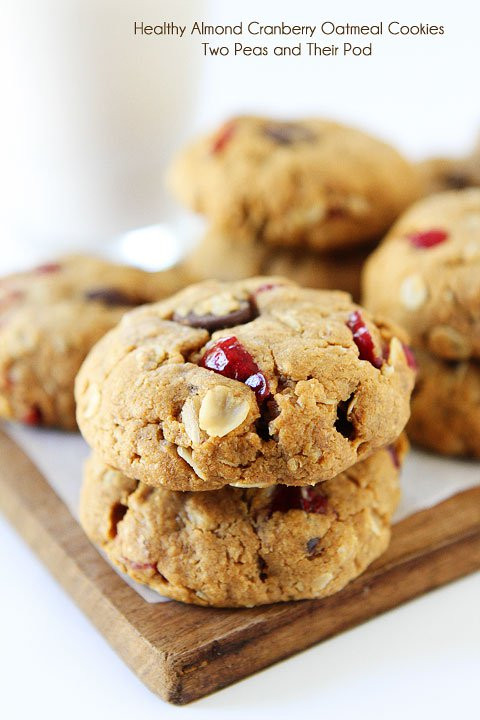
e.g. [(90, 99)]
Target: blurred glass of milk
[(92, 114)]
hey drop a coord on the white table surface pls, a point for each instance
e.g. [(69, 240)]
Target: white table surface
[(419, 661)]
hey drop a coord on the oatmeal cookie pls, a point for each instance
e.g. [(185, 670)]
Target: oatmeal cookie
[(233, 256), (426, 275), (243, 547), (50, 318), (309, 182), (252, 383), (446, 406)]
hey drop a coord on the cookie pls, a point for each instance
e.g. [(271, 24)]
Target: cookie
[(309, 182), (426, 275), (249, 383), (446, 406), (50, 318), (228, 256), (439, 174), (243, 547)]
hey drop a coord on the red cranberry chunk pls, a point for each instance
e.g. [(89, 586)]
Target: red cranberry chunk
[(142, 566), (394, 455), (47, 268), (223, 137), (308, 499), (363, 339), (427, 238), (33, 416), (229, 358), (265, 288)]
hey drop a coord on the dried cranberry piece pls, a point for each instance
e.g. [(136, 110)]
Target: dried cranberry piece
[(33, 416), (47, 268), (266, 287), (363, 339), (427, 238), (229, 358), (394, 455), (141, 566), (410, 357), (112, 297), (288, 133), (308, 499), (223, 137)]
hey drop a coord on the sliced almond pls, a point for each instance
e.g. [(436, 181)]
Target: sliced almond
[(221, 412), (189, 417), (413, 292)]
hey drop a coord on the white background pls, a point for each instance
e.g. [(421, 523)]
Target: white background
[(90, 118)]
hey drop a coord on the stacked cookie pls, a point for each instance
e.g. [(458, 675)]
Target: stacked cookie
[(246, 441), (426, 276), (450, 173), (50, 317), (306, 199)]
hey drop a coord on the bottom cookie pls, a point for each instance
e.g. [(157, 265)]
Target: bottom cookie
[(446, 406), (244, 547), (228, 257)]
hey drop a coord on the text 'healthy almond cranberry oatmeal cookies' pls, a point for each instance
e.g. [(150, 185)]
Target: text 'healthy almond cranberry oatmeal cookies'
[(50, 317), (251, 383), (426, 277), (311, 183), (243, 547)]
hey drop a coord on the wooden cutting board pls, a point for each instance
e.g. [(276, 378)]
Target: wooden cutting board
[(183, 652)]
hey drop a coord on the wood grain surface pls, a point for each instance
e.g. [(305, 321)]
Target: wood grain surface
[(183, 652)]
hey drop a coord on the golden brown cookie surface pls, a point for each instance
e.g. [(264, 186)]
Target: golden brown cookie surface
[(247, 383), (50, 318), (228, 256), (426, 274), (308, 182), (236, 547), (446, 406)]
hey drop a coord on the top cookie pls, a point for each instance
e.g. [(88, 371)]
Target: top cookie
[(426, 274), (249, 383), (50, 318), (310, 182)]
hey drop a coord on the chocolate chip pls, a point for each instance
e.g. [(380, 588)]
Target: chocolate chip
[(312, 545), (288, 133), (112, 297), (457, 180), (212, 322), (336, 212)]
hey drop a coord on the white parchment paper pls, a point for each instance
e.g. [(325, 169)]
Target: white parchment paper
[(426, 479)]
